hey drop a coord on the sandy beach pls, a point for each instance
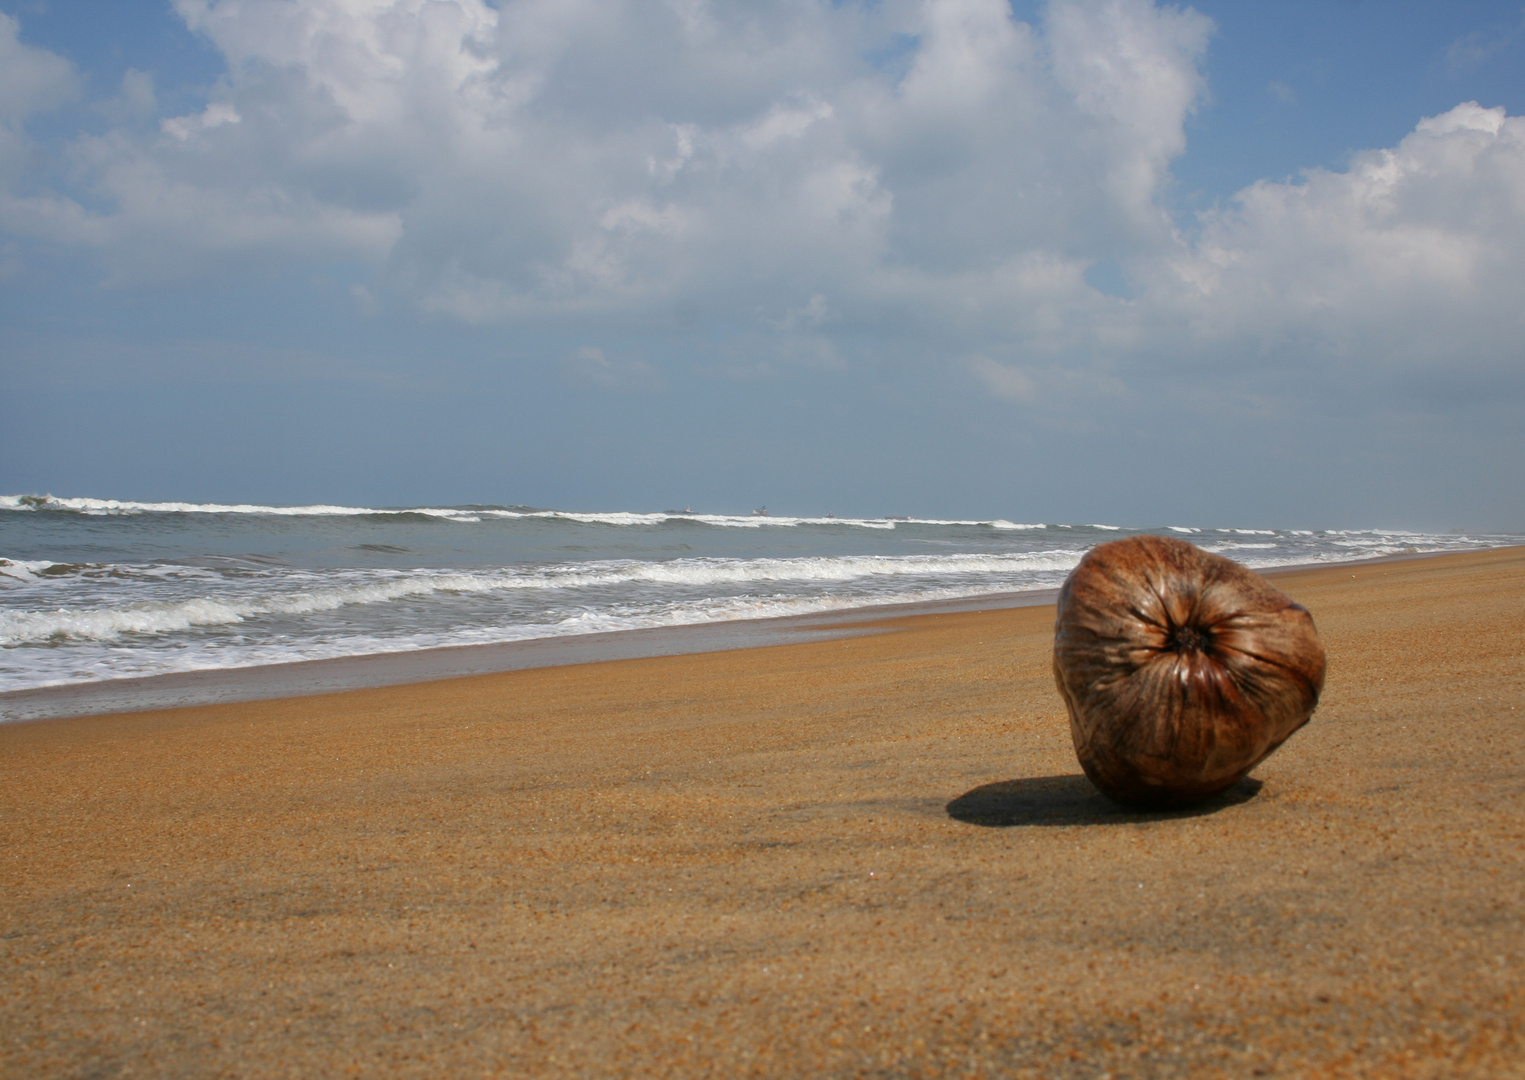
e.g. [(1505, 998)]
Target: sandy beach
[(872, 856)]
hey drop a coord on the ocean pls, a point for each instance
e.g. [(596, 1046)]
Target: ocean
[(94, 589)]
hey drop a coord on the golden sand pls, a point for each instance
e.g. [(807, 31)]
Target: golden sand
[(864, 857)]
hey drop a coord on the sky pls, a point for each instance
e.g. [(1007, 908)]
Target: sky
[(1232, 263)]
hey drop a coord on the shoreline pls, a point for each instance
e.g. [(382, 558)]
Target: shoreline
[(306, 678)]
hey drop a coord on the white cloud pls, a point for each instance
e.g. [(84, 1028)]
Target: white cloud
[(379, 61), (575, 157), (1003, 380), (563, 162), (1132, 67), (1051, 385), (138, 102), (32, 80), (590, 367), (1413, 257), (1282, 92), (1477, 48), (365, 300), (214, 115)]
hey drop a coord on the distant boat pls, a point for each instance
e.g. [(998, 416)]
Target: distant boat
[(761, 511)]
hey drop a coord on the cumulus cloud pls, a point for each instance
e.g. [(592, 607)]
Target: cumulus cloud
[(589, 367), (933, 176), (1412, 257), (136, 103), (550, 157), (32, 80)]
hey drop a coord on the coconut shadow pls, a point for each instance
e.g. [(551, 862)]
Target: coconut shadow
[(1071, 800)]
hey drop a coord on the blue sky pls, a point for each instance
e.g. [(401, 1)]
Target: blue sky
[(1233, 263)]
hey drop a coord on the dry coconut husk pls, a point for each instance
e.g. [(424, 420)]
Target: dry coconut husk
[(1182, 670)]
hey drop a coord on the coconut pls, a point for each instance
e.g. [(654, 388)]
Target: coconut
[(1182, 670)]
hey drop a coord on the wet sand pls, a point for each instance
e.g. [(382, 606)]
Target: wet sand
[(866, 856)]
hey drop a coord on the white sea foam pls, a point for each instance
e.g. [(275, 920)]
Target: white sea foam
[(747, 521), (110, 623), (104, 660), (117, 507), (23, 569), (467, 515)]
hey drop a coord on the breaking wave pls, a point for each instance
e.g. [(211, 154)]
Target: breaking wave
[(476, 514), (301, 594)]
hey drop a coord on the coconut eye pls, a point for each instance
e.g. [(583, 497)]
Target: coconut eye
[(1184, 639)]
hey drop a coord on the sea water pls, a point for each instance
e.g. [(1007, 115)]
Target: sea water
[(95, 589)]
